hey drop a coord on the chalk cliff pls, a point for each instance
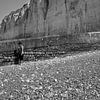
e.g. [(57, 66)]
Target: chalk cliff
[(51, 17)]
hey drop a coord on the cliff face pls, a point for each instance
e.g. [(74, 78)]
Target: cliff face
[(52, 17)]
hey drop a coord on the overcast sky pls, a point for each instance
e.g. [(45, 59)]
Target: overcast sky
[(6, 6)]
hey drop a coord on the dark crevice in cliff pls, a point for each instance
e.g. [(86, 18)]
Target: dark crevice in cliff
[(26, 14), (86, 5), (4, 28), (45, 9), (66, 5), (67, 14)]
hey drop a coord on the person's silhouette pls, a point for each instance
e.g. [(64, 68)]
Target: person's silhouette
[(19, 53)]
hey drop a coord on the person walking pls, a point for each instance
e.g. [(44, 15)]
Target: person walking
[(19, 53), (16, 58)]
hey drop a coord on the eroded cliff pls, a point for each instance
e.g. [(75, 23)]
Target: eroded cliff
[(52, 17)]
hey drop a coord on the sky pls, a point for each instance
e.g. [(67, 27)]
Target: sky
[(6, 6)]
